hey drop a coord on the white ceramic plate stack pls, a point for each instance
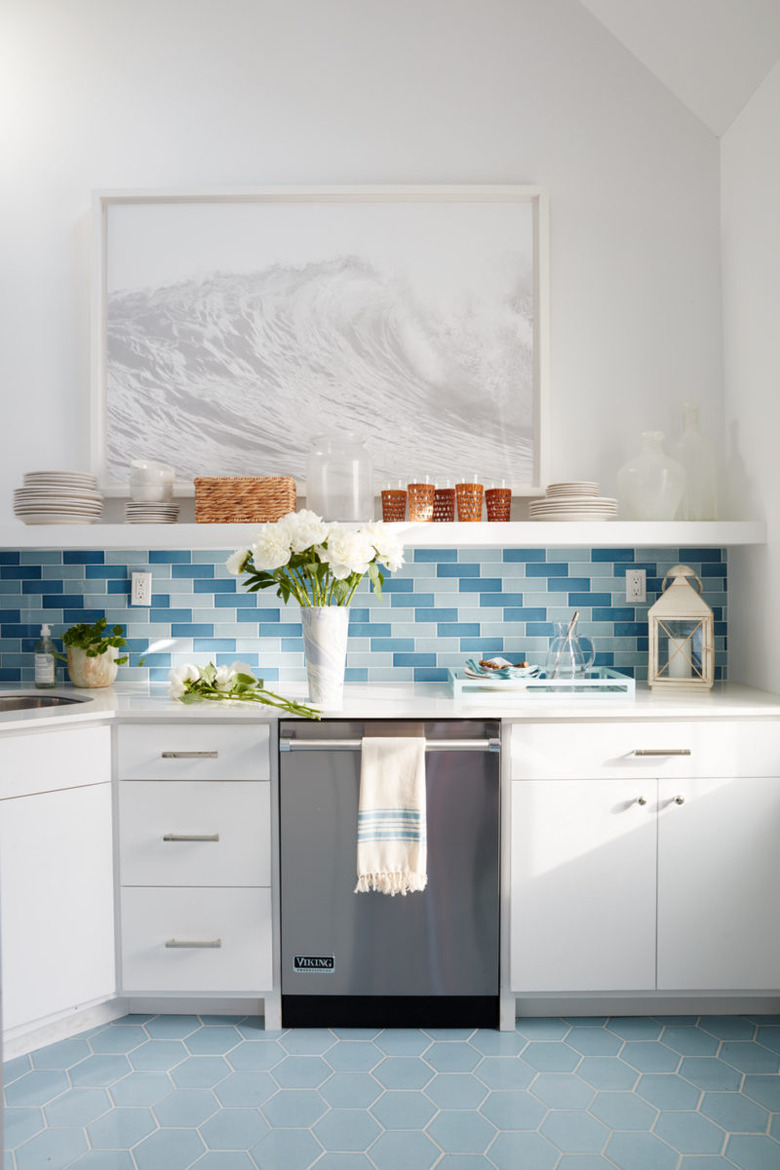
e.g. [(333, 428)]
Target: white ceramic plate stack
[(58, 497), (578, 500), (150, 512)]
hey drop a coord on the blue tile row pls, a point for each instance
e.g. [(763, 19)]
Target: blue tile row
[(443, 606)]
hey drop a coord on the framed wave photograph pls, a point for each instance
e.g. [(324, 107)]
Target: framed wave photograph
[(234, 328)]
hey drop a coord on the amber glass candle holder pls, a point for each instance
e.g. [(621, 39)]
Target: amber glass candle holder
[(498, 501), (444, 503), (421, 494), (393, 503), (469, 496)]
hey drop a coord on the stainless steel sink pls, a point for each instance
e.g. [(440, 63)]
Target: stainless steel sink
[(33, 702)]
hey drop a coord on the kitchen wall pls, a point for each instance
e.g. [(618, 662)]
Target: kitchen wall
[(442, 607), (195, 94), (751, 282)]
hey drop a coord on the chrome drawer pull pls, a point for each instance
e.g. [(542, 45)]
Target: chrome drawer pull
[(641, 800), (679, 800), (191, 837), (661, 752), (177, 943), (190, 755)]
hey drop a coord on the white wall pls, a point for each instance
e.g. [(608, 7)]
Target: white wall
[(198, 93), (751, 320)]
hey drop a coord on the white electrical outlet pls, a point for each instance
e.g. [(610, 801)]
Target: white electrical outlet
[(636, 585), (141, 589)]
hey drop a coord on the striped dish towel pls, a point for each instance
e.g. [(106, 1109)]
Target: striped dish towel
[(391, 852)]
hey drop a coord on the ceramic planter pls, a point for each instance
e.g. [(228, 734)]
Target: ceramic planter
[(99, 671)]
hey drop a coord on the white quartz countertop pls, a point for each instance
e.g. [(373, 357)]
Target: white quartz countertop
[(140, 702)]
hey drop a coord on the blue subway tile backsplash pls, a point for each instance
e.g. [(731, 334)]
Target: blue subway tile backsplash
[(443, 606)]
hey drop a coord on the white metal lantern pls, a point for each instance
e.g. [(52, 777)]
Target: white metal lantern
[(682, 635)]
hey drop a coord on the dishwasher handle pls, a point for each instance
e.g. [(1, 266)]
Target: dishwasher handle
[(354, 745)]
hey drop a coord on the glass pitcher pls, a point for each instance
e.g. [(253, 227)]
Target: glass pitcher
[(568, 657)]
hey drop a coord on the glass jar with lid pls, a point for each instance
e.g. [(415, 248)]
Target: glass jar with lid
[(340, 478)]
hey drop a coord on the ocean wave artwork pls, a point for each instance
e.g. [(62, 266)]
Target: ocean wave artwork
[(236, 372)]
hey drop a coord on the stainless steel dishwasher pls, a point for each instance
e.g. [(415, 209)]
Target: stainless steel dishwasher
[(369, 960)]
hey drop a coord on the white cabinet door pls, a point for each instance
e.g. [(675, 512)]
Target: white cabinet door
[(719, 884), (56, 882), (583, 885)]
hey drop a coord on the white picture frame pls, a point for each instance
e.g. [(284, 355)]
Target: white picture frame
[(232, 327)]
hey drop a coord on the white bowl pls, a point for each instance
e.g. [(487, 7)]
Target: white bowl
[(151, 491), (148, 471)]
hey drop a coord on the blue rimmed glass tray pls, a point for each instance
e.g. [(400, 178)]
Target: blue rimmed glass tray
[(603, 680)]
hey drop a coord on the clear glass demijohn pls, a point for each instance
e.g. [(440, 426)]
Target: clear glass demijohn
[(340, 478)]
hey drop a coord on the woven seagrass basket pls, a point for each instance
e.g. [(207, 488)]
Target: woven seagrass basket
[(243, 499)]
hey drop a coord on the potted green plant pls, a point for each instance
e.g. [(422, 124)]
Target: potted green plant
[(91, 653)]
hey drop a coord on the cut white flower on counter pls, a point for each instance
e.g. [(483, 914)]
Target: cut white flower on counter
[(234, 683)]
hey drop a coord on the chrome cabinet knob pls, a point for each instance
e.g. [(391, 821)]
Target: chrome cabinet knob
[(679, 800), (641, 800)]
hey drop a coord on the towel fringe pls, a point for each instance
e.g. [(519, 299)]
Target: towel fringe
[(391, 883)]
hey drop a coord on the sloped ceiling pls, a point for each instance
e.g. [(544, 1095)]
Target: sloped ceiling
[(712, 54)]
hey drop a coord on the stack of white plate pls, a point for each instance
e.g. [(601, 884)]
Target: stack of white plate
[(578, 500), (58, 497), (150, 512)]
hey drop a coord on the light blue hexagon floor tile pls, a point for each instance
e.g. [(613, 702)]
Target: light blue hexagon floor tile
[(635, 1027), (531, 1151), (640, 1151), (461, 1131), (286, 1149), (403, 1072), (707, 1072), (574, 1132), (402, 1042), (63, 1054), (141, 1088), (172, 1027), (117, 1040), (735, 1112), (607, 1072), (294, 1108), (764, 1091), (690, 1133), (13, 1069), (51, 1149), (353, 1056), (245, 1090), (22, 1123), (234, 1129), (120, 1129), (504, 1072), (407, 1148), (769, 1037), (668, 1091), (37, 1087), (97, 1071), (748, 1151), (350, 1090), (225, 1160), (509, 1111), (623, 1111), (307, 1041), (451, 1058), (346, 1129), (105, 1160), (200, 1072), (690, 1041), (541, 1028), (594, 1041), (247, 1055), (728, 1027), (155, 1055), (403, 1109), (212, 1041), (186, 1109), (298, 1072), (344, 1161), (562, 1091), (647, 1056), (456, 1091), (498, 1043), (750, 1058), (169, 1149), (548, 1056)]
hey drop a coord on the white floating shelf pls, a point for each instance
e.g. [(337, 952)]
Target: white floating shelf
[(524, 534)]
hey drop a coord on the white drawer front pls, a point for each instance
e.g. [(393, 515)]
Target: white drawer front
[(231, 818), (193, 751), (238, 919), (563, 751), (44, 761)]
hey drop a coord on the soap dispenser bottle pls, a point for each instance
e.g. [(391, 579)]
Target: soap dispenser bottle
[(45, 661)]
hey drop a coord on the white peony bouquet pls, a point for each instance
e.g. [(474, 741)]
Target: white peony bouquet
[(316, 563)]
